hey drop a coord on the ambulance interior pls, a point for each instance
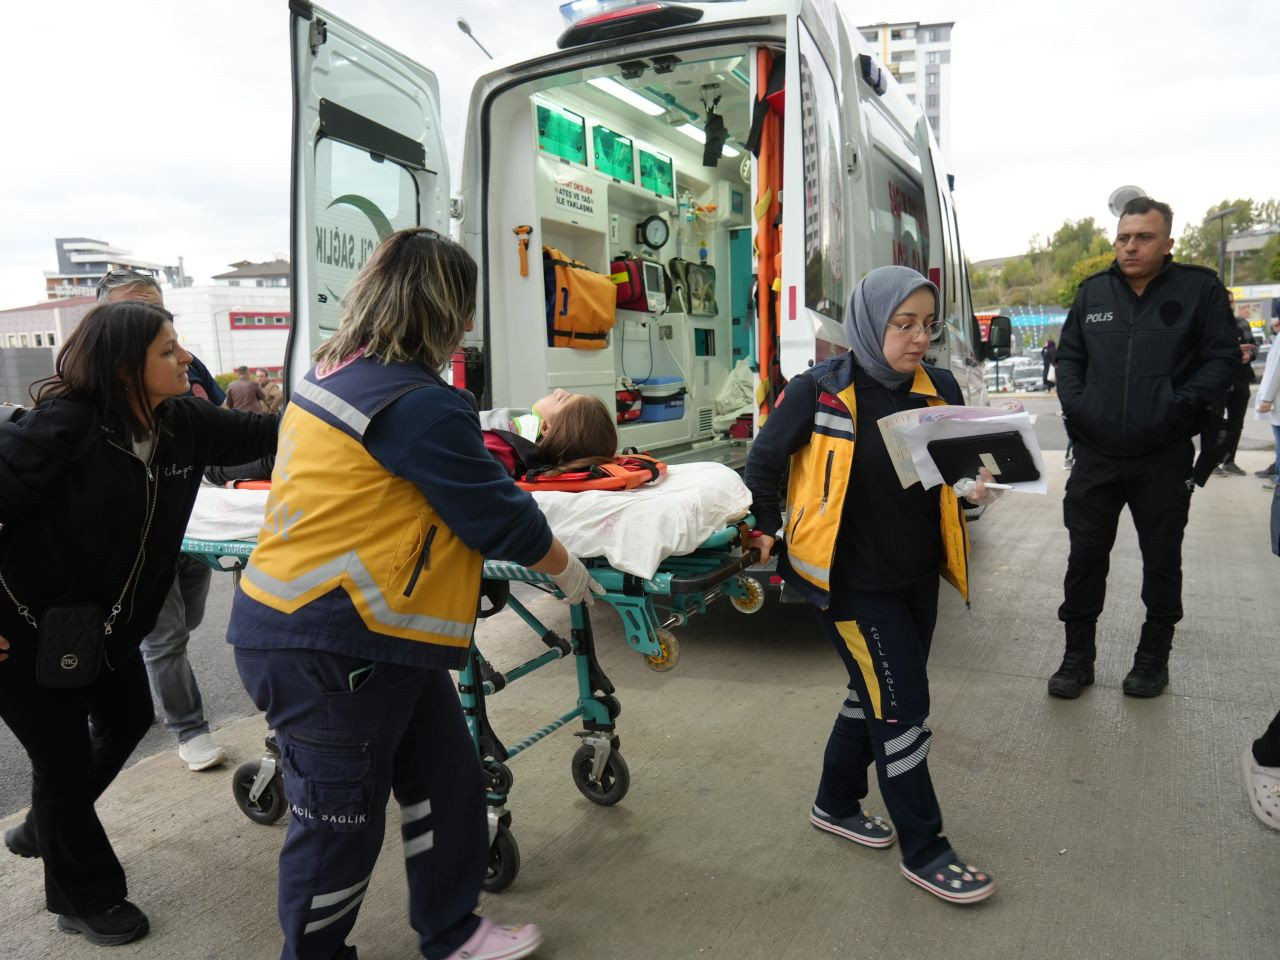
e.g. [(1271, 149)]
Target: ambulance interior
[(607, 163)]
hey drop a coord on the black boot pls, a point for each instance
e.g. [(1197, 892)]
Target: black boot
[(1076, 671), (21, 840), (122, 923), (1150, 673)]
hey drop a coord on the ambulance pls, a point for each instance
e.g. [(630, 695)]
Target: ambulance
[(670, 208)]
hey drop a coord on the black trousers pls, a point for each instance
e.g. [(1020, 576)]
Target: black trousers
[(883, 639), (1233, 418), (77, 741), (1266, 749), (1157, 489)]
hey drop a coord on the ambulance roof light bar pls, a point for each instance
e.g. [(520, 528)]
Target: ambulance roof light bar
[(611, 19)]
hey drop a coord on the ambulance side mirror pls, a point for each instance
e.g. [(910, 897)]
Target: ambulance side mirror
[(999, 340)]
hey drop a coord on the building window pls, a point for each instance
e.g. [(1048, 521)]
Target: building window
[(907, 33), (932, 80), (932, 57), (931, 100), (233, 283), (13, 341), (48, 339), (871, 36), (901, 55), (22, 339), (39, 339), (259, 321), (931, 36)]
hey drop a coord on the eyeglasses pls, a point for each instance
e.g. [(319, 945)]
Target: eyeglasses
[(913, 330)]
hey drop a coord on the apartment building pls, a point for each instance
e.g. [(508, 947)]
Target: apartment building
[(919, 55)]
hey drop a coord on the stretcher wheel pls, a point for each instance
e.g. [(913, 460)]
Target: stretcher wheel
[(504, 861), (668, 654), (615, 778), (500, 778), (270, 805), (754, 599)]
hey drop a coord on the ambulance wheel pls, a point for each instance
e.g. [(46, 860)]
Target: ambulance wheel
[(668, 654), (504, 861), (270, 805), (754, 598), (615, 778)]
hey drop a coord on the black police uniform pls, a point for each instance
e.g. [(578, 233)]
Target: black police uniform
[(1134, 375)]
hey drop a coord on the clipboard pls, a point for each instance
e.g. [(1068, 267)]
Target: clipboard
[(1004, 454)]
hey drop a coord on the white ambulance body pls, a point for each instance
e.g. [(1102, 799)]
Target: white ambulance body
[(595, 147)]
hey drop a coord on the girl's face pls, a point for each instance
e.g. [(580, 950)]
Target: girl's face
[(905, 351), (550, 405), (165, 374)]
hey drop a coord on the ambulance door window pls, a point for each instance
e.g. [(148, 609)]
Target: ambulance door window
[(361, 198), (824, 252)]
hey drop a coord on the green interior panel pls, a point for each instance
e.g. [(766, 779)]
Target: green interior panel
[(562, 133)]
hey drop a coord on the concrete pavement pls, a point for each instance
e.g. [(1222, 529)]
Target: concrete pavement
[(1116, 828)]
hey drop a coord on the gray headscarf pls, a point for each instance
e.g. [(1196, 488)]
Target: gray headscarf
[(874, 300)]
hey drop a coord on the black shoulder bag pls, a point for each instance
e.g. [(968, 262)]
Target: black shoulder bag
[(71, 638)]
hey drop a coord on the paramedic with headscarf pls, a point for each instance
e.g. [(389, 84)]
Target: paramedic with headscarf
[(361, 596), (867, 554)]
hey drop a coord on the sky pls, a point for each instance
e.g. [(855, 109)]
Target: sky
[(162, 126)]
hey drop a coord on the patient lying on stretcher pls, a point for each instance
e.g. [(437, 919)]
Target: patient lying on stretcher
[(564, 432)]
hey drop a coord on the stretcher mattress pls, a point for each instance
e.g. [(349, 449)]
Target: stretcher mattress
[(634, 530)]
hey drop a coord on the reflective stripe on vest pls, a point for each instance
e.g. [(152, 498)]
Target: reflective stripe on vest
[(350, 564)]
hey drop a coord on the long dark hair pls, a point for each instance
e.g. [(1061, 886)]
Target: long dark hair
[(104, 360), (582, 434)]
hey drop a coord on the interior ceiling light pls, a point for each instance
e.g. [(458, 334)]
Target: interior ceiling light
[(694, 133), (627, 96)]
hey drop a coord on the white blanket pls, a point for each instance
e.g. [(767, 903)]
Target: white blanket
[(635, 530)]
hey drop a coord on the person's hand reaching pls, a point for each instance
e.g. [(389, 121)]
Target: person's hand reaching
[(575, 583)]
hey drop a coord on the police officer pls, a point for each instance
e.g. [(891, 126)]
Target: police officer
[(1148, 345), (360, 597)]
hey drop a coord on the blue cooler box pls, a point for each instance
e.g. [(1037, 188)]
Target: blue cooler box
[(663, 399)]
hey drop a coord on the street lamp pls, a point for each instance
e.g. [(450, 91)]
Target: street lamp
[(466, 28), (1220, 216)]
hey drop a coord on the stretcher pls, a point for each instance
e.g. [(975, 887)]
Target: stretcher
[(649, 607)]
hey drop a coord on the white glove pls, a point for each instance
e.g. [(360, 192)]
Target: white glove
[(575, 583), (969, 490)]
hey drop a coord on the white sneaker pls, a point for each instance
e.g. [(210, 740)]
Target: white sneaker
[(201, 752)]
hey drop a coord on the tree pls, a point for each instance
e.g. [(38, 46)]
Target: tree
[(1199, 242), (1086, 267), (1271, 257)]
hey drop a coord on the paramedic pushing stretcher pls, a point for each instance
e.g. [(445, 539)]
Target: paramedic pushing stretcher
[(867, 554), (360, 597)]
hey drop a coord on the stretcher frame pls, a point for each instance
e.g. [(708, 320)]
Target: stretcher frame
[(648, 608)]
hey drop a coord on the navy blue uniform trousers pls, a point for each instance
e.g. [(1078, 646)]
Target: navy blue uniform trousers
[(343, 752), (883, 637)]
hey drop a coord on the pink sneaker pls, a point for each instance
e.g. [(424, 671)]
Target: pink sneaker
[(494, 941)]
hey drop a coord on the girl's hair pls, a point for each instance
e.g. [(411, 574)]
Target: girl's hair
[(410, 302), (581, 435), (104, 361)]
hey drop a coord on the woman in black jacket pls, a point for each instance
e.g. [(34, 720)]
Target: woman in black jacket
[(97, 481)]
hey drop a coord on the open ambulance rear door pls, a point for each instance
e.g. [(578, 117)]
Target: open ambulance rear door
[(368, 159), (814, 256), (947, 271)]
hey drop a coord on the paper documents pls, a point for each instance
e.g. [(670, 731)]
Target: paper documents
[(907, 435)]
